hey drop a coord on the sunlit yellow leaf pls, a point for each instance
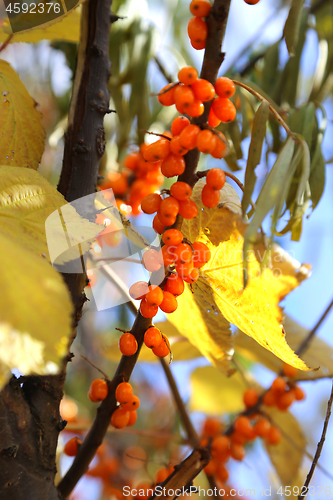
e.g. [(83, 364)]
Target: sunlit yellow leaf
[(214, 393), (35, 312), (219, 289), (26, 200), (65, 27), (288, 454), (22, 134), (319, 353)]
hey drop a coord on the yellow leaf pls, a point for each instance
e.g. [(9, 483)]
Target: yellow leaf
[(254, 310), (26, 201), (35, 312), (318, 354), (286, 456), (22, 134), (214, 393), (65, 27)]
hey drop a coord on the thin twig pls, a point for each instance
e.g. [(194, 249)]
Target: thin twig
[(273, 111), (155, 133), (162, 69), (6, 42), (190, 430), (96, 367), (312, 333), (319, 447)]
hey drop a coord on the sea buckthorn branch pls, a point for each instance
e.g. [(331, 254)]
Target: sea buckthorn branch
[(319, 446), (271, 108), (305, 344)]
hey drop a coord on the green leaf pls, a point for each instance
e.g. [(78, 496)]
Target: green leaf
[(257, 139), (270, 70), (287, 455), (35, 311), (22, 133), (214, 393), (292, 26), (268, 197)]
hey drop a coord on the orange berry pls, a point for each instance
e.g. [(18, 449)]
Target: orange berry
[(179, 124), (184, 269), (169, 303), (201, 255), (151, 203), (289, 371), (169, 209), (174, 285), (193, 276), (167, 221), (221, 147), (224, 87), (210, 198), (213, 120), (184, 96), (237, 451), (279, 385), (157, 151), (269, 398), (72, 446), (157, 225), (120, 418), (198, 45), (224, 109), (188, 209), (163, 349), (131, 161), (299, 393), (184, 253), (132, 418), (148, 311), (168, 255), (172, 237), (132, 404), (188, 136), (251, 2), (206, 141), (151, 260), (200, 8), (215, 179), (176, 148), (152, 337), (273, 435), (195, 109), (212, 427), (203, 90), (220, 446), (173, 165), (166, 97), (181, 190), (187, 75), (98, 390), (238, 438), (197, 29), (124, 392), (117, 182), (155, 296), (250, 397), (211, 467), (221, 473), (261, 427), (162, 475), (128, 344), (139, 290), (243, 426), (285, 400)]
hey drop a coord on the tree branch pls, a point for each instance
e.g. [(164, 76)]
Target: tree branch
[(305, 344), (319, 447)]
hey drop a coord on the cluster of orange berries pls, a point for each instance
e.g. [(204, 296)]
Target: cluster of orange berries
[(282, 392), (189, 94), (125, 414), (153, 338), (197, 29), (139, 178)]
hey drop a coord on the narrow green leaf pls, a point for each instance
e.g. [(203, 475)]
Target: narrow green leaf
[(257, 139), (292, 26), (270, 71), (317, 178), (235, 136), (268, 197)]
